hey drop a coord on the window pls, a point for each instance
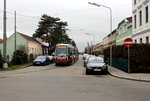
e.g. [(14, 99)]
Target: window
[(147, 39), (140, 40), (135, 41), (134, 21), (146, 14), (140, 18)]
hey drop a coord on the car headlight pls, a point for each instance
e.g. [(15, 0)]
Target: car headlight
[(89, 67), (105, 66)]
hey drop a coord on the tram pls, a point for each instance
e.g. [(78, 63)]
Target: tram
[(66, 54)]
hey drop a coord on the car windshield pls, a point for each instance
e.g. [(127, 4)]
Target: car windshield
[(95, 60), (41, 57), (50, 57)]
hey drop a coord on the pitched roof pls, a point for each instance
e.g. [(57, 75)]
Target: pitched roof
[(28, 37)]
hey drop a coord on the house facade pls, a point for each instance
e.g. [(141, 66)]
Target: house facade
[(106, 42), (98, 49), (124, 31), (141, 21), (29, 45), (112, 37)]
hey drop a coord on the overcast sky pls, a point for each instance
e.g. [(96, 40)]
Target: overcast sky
[(81, 17)]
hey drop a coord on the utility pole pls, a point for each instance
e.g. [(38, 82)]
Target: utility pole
[(4, 35), (5, 65), (15, 30)]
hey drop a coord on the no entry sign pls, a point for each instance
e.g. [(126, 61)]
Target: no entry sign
[(128, 42)]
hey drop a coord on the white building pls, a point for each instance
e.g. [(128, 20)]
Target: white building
[(141, 21)]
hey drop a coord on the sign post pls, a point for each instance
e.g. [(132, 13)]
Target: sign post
[(128, 42)]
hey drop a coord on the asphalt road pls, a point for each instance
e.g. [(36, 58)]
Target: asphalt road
[(50, 83)]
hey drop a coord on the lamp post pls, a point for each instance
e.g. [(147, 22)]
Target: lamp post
[(4, 34), (93, 38), (99, 5)]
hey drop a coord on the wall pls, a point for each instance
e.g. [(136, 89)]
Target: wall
[(34, 48), (141, 31), (126, 33), (10, 44)]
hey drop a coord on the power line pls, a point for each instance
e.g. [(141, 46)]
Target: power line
[(34, 17)]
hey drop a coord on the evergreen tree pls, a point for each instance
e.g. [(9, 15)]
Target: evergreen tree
[(52, 31)]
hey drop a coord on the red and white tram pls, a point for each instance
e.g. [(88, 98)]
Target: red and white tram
[(66, 54)]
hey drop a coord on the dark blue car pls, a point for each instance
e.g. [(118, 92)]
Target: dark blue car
[(41, 60)]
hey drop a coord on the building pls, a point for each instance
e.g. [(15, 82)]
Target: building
[(106, 42), (27, 43), (98, 49), (124, 31), (45, 46), (141, 21)]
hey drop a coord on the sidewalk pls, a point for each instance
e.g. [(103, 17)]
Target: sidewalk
[(129, 76)]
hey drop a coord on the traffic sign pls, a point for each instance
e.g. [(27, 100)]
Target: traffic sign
[(128, 42)]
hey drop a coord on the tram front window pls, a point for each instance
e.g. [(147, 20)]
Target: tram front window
[(61, 51)]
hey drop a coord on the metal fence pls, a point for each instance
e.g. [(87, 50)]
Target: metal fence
[(120, 63)]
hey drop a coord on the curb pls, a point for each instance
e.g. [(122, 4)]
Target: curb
[(140, 80), (25, 66)]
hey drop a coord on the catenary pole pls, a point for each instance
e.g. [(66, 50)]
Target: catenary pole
[(4, 35), (15, 30)]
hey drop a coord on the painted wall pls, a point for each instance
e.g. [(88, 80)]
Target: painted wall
[(106, 42), (31, 47), (34, 48), (124, 31), (141, 31), (11, 44)]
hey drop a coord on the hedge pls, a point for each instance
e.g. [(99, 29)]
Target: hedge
[(139, 56)]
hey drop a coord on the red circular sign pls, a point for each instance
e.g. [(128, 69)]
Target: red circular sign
[(128, 42)]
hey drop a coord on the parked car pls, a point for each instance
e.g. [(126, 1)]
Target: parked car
[(84, 55), (41, 60), (86, 59), (51, 59), (96, 64)]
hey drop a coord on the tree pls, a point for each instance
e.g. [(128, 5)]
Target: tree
[(73, 43), (52, 31)]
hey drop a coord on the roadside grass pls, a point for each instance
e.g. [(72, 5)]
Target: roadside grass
[(14, 67)]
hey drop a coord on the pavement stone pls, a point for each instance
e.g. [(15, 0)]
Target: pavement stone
[(145, 77)]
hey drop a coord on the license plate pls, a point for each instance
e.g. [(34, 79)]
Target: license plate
[(38, 63), (97, 70)]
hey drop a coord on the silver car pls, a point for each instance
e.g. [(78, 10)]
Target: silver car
[(96, 64), (86, 59)]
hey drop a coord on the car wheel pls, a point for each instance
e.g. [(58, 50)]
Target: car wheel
[(106, 71), (87, 72), (44, 63), (56, 64)]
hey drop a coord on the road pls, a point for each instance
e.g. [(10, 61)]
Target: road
[(50, 83)]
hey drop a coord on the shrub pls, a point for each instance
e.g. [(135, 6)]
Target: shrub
[(19, 57), (139, 56)]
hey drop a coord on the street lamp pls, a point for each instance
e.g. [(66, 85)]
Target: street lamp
[(99, 5), (93, 38)]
